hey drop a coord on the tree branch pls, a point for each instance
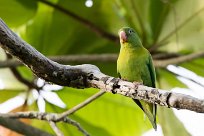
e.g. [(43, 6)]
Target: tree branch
[(81, 105), (87, 75), (56, 129), (76, 124), (160, 60), (21, 127), (50, 117), (20, 78), (66, 59), (179, 59)]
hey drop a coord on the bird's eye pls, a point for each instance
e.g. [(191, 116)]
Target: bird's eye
[(130, 31)]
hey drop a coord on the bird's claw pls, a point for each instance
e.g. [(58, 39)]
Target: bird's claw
[(115, 85)]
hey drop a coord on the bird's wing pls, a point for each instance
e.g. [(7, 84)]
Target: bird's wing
[(153, 79), (149, 108), (151, 71)]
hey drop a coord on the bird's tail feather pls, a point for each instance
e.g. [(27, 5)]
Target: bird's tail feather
[(150, 111)]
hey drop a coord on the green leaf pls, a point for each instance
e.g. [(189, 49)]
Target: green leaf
[(171, 126), (7, 94), (189, 27), (115, 110), (196, 66), (9, 82), (17, 12), (60, 34), (167, 80), (157, 14)]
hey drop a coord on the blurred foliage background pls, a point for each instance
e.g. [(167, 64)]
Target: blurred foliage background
[(168, 28)]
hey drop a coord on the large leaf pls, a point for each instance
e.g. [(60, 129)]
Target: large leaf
[(171, 126), (7, 94), (60, 34), (17, 12), (107, 115), (196, 66), (166, 80), (184, 21)]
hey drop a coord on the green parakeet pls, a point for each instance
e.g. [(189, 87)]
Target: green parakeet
[(134, 64)]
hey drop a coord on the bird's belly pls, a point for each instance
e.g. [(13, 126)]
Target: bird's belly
[(131, 72)]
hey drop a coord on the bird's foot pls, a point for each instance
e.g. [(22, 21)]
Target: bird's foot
[(115, 85)]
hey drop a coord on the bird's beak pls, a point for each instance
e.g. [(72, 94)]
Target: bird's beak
[(123, 37)]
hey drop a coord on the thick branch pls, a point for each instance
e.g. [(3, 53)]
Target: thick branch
[(22, 128), (82, 76)]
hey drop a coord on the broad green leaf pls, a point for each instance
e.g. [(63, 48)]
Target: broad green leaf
[(157, 14), (52, 32), (17, 12), (8, 81), (7, 94), (167, 80), (196, 66), (115, 110), (166, 117), (26, 73), (188, 19), (171, 126)]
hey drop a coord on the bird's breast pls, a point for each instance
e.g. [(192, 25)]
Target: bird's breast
[(132, 66)]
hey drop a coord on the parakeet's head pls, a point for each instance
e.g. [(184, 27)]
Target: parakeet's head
[(128, 35)]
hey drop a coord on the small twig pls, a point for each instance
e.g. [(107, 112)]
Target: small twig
[(165, 56), (51, 117), (83, 21), (19, 77), (67, 59), (76, 124), (85, 58), (179, 59), (160, 60), (55, 128), (81, 105), (21, 127)]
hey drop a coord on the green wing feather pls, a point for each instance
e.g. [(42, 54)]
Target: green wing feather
[(150, 109), (152, 71), (153, 79)]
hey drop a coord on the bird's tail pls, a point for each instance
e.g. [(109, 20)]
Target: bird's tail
[(150, 111)]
